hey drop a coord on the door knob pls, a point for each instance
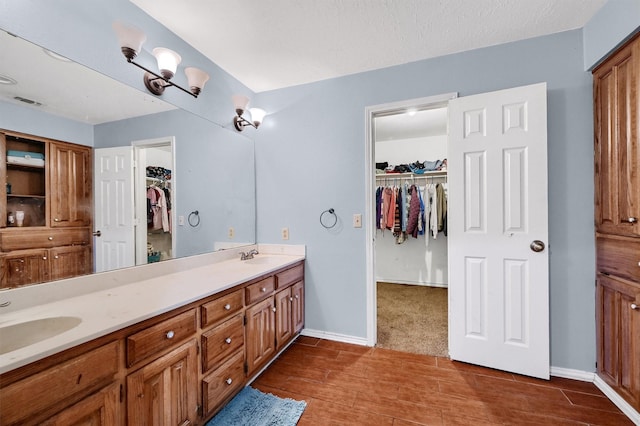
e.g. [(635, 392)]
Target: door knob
[(97, 233), (537, 246)]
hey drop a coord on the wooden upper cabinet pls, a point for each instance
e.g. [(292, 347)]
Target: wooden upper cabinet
[(70, 173), (617, 177)]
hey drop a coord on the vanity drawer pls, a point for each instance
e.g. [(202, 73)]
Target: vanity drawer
[(260, 290), (13, 239), (221, 341), (61, 385), (290, 276), (619, 256), (221, 383), (216, 310), (161, 336)]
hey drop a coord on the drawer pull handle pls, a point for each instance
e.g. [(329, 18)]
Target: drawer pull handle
[(229, 381), (635, 307), (170, 334), (632, 220), (227, 307), (227, 340), (263, 289), (50, 238)]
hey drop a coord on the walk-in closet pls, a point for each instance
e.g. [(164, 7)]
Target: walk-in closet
[(411, 262)]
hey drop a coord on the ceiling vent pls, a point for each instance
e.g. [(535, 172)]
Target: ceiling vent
[(27, 101)]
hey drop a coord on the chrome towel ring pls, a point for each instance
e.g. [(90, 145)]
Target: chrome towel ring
[(194, 218), (325, 218)]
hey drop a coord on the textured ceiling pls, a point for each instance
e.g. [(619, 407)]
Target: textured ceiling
[(270, 44)]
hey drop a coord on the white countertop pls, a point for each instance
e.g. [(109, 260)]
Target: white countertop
[(107, 310)]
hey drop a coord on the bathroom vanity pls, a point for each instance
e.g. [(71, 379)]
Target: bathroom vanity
[(172, 349)]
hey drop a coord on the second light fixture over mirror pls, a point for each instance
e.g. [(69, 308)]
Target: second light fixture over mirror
[(240, 103), (131, 40)]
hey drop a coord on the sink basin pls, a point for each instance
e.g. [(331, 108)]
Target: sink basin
[(261, 260), (27, 333)]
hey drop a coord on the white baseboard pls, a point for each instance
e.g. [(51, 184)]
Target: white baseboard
[(623, 405), (334, 336), (569, 373)]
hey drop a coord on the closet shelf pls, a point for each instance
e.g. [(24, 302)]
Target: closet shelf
[(412, 175)]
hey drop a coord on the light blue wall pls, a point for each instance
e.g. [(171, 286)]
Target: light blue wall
[(614, 23), (28, 120), (214, 175), (310, 156)]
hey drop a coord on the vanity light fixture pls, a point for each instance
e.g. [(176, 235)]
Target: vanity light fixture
[(240, 103), (131, 40)]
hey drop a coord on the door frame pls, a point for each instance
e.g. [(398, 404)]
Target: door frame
[(436, 101), (139, 178)]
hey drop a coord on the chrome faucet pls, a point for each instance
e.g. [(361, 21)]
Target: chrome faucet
[(5, 304), (248, 255)]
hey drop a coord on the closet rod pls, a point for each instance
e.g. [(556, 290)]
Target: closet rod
[(438, 173)]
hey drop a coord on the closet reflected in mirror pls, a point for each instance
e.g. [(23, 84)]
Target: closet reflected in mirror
[(411, 259)]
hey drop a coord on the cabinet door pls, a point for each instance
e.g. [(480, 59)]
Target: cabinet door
[(260, 334), (284, 329), (164, 392), (618, 333), (297, 307), (617, 181), (69, 261), (70, 173), (24, 267), (99, 409)]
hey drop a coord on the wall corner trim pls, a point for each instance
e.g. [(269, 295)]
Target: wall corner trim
[(623, 405), (335, 337)]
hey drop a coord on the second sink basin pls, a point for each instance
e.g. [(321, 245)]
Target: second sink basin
[(27, 333)]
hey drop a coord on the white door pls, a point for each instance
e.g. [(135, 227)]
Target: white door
[(498, 228), (114, 209)]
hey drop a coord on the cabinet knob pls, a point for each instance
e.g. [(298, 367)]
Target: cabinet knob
[(632, 219), (229, 381), (170, 334), (56, 256), (227, 307), (44, 257), (227, 340), (263, 289), (56, 220), (50, 238), (291, 299), (635, 307), (273, 309), (296, 296)]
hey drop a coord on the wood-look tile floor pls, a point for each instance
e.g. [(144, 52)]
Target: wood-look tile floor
[(347, 384)]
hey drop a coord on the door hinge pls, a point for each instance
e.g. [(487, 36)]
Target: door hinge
[(134, 163), (246, 368), (244, 320), (121, 393)]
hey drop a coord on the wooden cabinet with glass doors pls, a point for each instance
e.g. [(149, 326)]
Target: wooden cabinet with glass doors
[(45, 208)]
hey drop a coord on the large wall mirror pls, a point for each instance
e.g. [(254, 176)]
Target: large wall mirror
[(214, 174)]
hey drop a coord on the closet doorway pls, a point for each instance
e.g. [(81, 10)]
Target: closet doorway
[(409, 147), (155, 186)]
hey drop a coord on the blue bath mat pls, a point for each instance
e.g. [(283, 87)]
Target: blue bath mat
[(254, 408)]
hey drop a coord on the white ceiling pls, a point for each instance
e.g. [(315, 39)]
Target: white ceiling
[(270, 44)]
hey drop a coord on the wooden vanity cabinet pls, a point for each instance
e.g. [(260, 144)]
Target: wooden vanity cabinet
[(616, 88), (56, 198), (179, 368), (165, 391), (22, 267), (36, 398)]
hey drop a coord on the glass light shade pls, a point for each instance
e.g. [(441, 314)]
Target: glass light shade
[(257, 115), (196, 77), (168, 61), (240, 103), (129, 36)]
